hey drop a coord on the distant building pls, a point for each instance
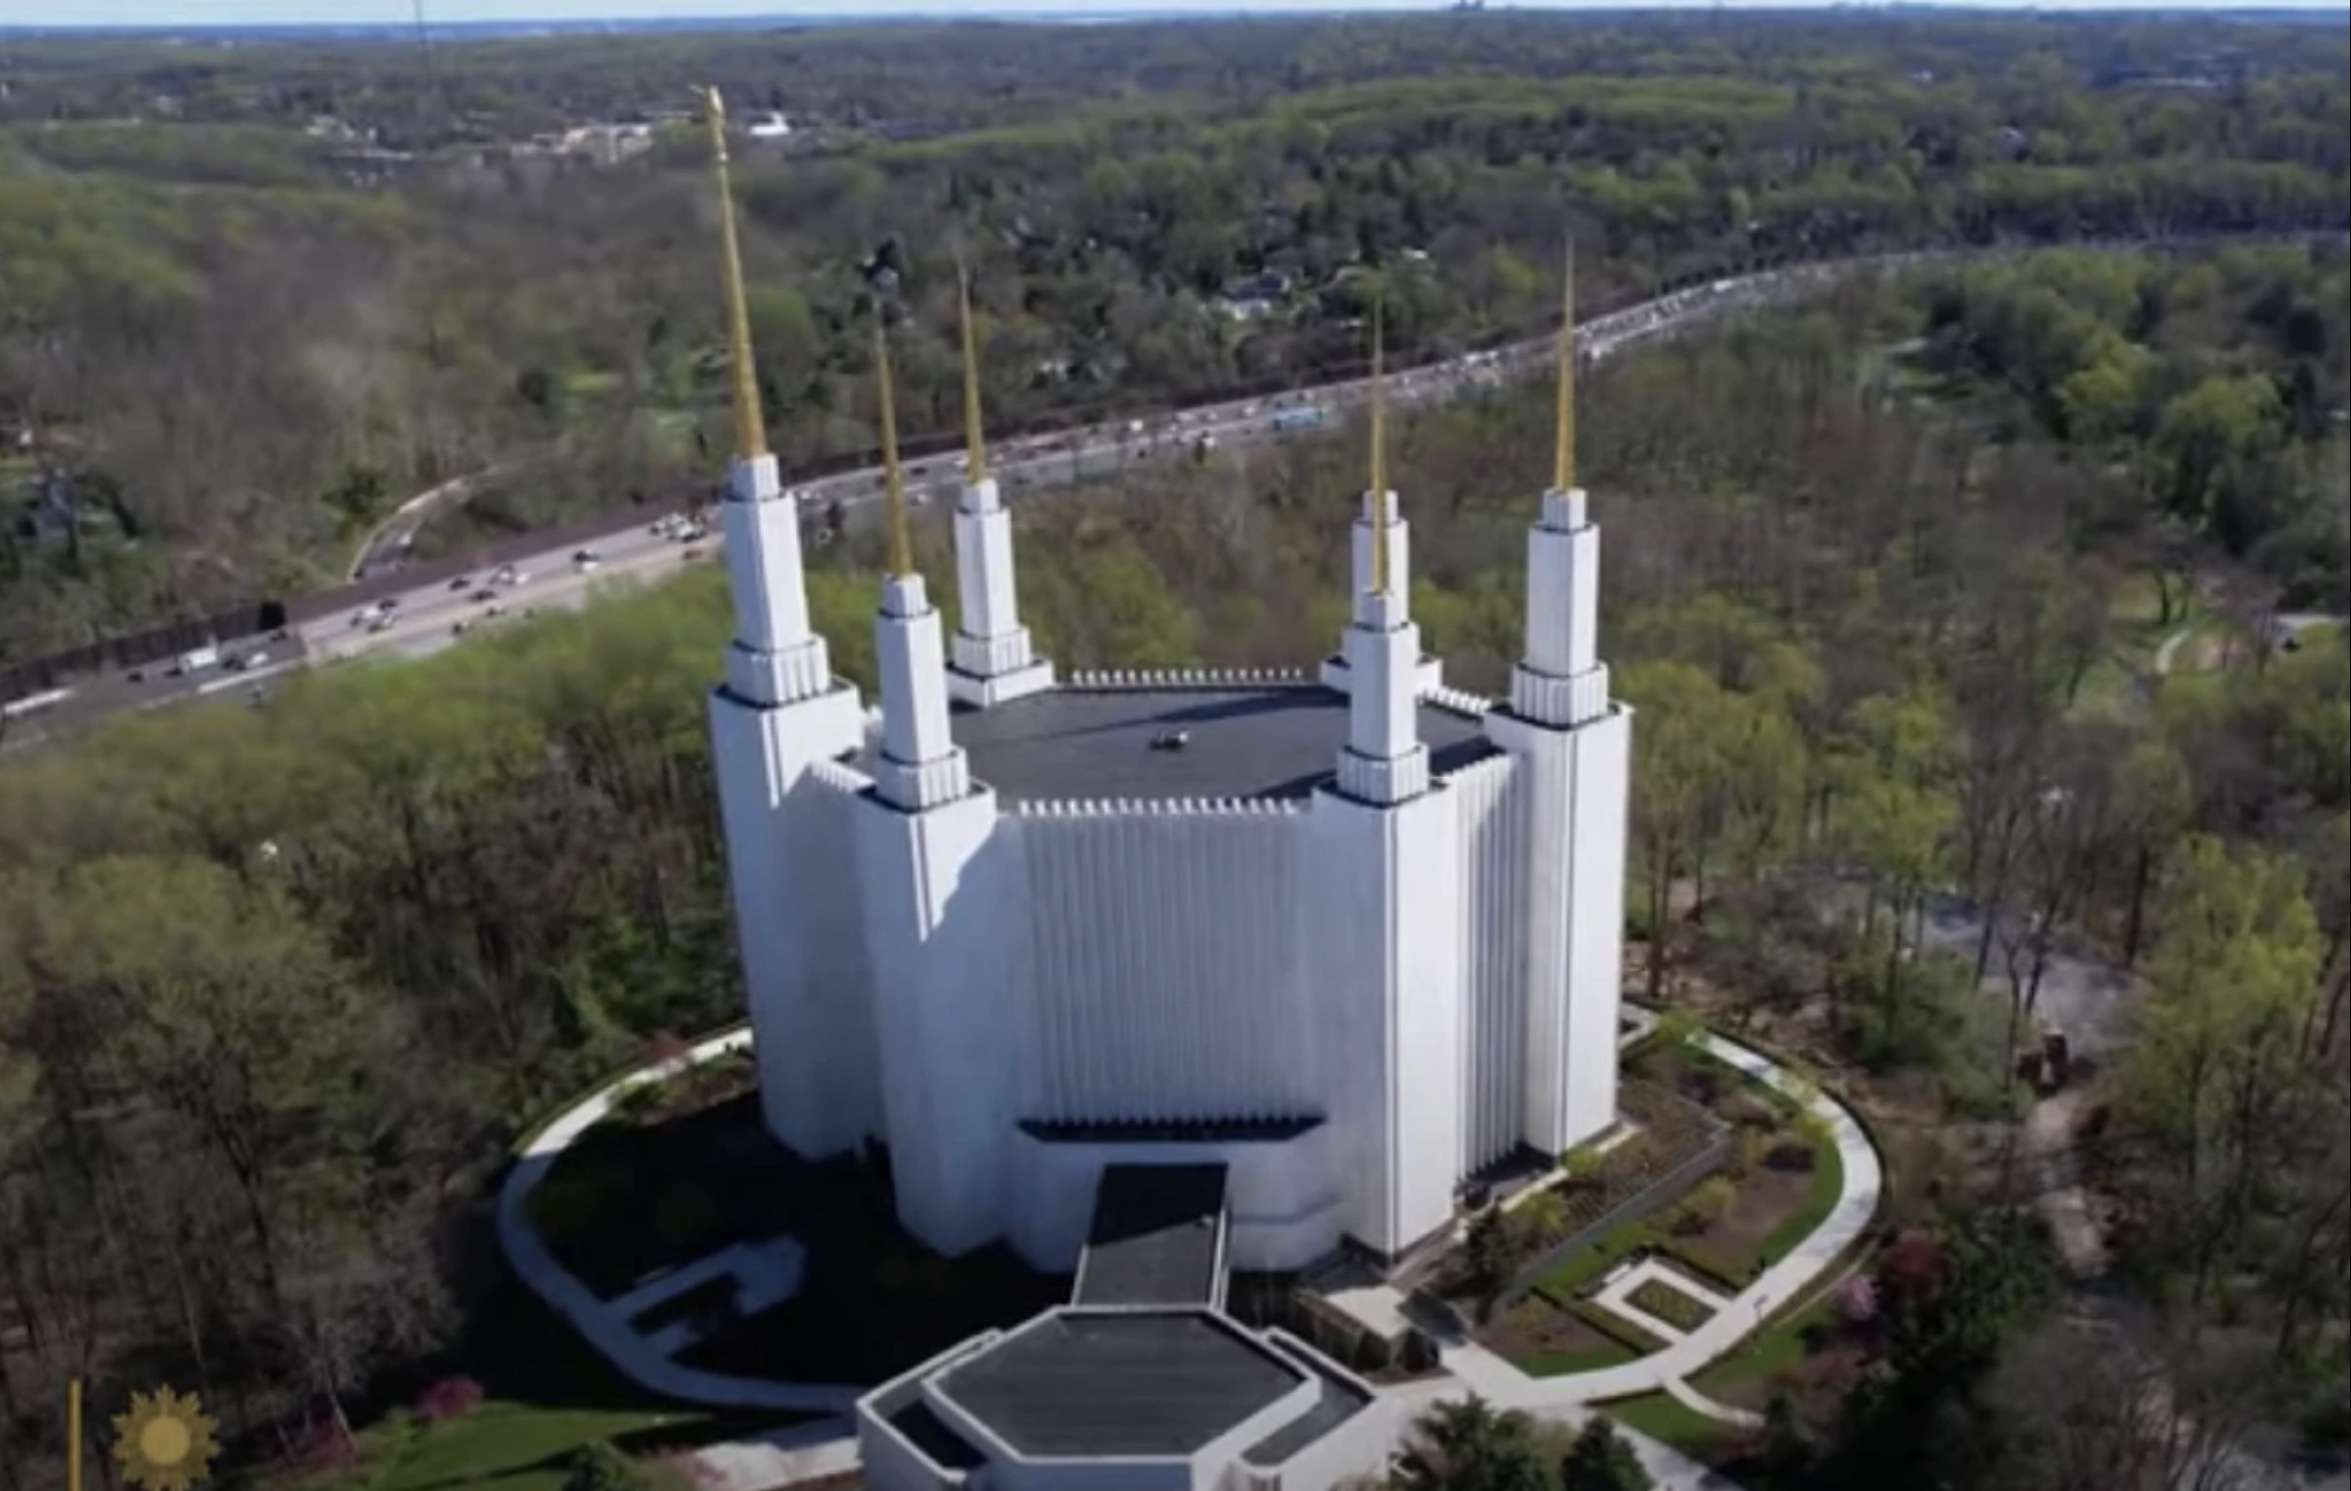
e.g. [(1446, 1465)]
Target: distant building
[(769, 126)]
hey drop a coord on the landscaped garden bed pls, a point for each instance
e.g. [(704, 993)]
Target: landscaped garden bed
[(1545, 1340), (1669, 1135), (1661, 1301), (1782, 1182)]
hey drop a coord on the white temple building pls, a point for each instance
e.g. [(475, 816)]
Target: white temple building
[(1347, 936)]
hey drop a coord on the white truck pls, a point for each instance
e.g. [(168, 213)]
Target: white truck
[(197, 660)]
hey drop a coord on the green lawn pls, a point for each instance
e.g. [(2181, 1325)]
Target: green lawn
[(510, 1447), (547, 1394), (1828, 1184), (1585, 1268), (1664, 1419), (1568, 1363), (1761, 1357)]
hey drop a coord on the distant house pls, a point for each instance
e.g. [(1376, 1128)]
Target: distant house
[(769, 126), (53, 513), (1253, 296), (606, 144)]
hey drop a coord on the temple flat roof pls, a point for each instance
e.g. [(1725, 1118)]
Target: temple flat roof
[(1093, 744), (1081, 1385)]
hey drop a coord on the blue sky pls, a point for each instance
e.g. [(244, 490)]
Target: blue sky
[(376, 12)]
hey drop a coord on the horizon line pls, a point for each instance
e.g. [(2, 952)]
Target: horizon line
[(1050, 12)]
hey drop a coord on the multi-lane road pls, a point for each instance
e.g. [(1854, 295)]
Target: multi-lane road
[(431, 617)]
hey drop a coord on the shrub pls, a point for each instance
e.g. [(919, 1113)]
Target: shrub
[(450, 1398), (1599, 1461), (323, 1449), (1856, 1300), (1748, 1149), (640, 1101), (663, 1047), (1712, 1198), (1792, 1154), (1420, 1353), (601, 1466), (1911, 1269)]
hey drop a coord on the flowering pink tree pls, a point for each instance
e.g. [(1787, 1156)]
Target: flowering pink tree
[(1856, 1300), (450, 1398)]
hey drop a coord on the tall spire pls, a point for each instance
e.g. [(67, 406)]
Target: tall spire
[(1563, 462), (1561, 682), (1379, 453), (893, 478), (975, 444), (992, 658), (750, 425), (920, 766)]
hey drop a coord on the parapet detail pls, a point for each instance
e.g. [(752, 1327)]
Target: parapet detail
[(1191, 678), (1161, 807), (1562, 703), (840, 777), (1457, 701)]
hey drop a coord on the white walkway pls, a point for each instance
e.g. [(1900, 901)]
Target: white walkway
[(813, 1451), (604, 1324)]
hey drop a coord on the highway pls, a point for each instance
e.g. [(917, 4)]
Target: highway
[(425, 620)]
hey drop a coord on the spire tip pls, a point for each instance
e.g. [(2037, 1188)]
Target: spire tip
[(750, 422), (1379, 450), (901, 559)]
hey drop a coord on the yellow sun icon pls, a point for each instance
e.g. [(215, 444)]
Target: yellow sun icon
[(165, 1442)]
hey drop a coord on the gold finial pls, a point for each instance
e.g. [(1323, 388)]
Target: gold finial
[(750, 425), (1379, 456), (1563, 462), (975, 444), (893, 479)]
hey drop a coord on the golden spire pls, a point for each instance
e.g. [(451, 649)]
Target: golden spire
[(1563, 462), (975, 444), (1379, 458), (893, 479), (750, 426)]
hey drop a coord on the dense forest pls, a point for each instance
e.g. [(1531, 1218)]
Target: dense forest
[(257, 296), (1890, 574)]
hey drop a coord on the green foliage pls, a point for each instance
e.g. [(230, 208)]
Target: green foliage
[(1488, 1252), (1471, 1446), (602, 1467), (344, 256), (1600, 1461)]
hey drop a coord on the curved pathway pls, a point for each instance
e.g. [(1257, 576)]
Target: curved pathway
[(828, 1448)]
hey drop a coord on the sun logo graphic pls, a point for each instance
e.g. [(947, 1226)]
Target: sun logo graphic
[(165, 1442)]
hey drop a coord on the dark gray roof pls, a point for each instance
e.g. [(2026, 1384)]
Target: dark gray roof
[(1079, 1384), (908, 1412), (1154, 1238), (1274, 741), (1340, 1401)]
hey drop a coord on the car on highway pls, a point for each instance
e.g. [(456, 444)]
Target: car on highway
[(586, 560)]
